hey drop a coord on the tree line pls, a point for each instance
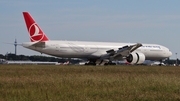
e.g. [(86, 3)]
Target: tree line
[(11, 56)]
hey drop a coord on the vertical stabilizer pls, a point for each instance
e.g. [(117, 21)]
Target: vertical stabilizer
[(35, 32)]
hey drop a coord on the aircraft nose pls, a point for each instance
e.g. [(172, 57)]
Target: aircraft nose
[(169, 53)]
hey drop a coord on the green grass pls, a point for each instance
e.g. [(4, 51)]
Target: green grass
[(89, 83)]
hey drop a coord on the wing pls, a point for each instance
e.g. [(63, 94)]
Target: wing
[(121, 52)]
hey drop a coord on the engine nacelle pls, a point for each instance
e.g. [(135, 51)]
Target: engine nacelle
[(136, 58)]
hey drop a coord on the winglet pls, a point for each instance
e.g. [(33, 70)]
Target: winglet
[(35, 32)]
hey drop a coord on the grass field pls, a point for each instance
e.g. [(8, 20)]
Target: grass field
[(89, 83)]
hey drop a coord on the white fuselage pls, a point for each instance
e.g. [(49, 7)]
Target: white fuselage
[(82, 49)]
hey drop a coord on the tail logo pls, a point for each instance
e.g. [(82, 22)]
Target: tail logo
[(35, 33)]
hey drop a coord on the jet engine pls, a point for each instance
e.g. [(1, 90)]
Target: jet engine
[(136, 58)]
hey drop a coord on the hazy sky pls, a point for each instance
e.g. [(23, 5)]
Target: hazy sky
[(144, 21)]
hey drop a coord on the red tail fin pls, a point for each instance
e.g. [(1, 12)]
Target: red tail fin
[(35, 32)]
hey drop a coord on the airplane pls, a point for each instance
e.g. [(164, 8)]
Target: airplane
[(97, 53)]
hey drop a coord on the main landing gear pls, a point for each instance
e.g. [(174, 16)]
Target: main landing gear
[(110, 63), (93, 62)]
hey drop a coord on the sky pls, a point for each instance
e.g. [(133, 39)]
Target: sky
[(142, 21)]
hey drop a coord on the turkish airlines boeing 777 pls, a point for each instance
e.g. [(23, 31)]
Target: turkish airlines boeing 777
[(95, 52)]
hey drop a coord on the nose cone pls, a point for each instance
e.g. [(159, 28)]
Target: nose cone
[(169, 53)]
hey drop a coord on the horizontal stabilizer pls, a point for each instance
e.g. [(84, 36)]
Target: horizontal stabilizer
[(39, 44), (19, 44)]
